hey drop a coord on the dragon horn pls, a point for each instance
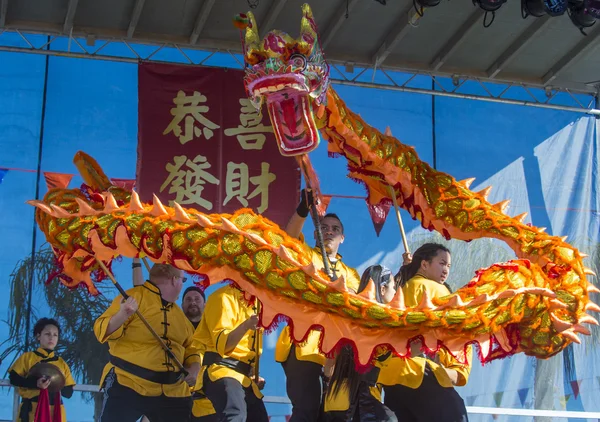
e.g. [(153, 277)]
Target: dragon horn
[(251, 36), (308, 33)]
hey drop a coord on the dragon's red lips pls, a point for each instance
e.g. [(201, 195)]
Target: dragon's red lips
[(269, 84), (293, 122)]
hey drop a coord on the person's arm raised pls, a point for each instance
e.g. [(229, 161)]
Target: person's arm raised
[(294, 226)]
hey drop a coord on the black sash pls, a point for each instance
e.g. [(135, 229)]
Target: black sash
[(212, 358), (27, 406), (159, 377)]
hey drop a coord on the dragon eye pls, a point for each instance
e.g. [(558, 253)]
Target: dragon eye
[(298, 60)]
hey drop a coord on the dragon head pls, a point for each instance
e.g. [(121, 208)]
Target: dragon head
[(288, 74)]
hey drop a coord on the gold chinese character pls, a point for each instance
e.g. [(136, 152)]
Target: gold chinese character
[(188, 184), (250, 132), (189, 107), (238, 181)]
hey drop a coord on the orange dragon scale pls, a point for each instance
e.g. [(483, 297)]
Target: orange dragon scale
[(536, 304)]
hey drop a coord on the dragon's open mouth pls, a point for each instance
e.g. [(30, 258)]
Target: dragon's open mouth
[(291, 114)]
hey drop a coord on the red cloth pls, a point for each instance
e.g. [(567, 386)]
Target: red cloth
[(42, 413)]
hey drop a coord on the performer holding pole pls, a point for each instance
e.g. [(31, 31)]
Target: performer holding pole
[(144, 375), (303, 364), (231, 343)]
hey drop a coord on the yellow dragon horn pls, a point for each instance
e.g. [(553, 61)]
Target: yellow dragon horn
[(308, 29), (251, 37)]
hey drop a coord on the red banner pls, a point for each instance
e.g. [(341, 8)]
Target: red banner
[(203, 144)]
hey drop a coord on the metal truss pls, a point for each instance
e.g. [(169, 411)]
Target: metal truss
[(420, 82)]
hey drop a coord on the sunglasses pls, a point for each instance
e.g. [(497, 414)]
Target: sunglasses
[(183, 279)]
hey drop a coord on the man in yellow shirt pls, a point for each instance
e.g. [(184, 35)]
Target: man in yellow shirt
[(229, 339), (141, 378), (303, 363), (192, 304)]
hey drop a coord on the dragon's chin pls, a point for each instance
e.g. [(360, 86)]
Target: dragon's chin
[(293, 123)]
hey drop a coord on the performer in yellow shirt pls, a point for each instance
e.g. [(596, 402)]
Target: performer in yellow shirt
[(47, 332), (303, 363), (230, 340), (354, 396), (420, 389), (141, 378), (192, 304)]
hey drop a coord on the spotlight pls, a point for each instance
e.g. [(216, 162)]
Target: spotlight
[(490, 6), (580, 15), (592, 7), (421, 5), (539, 8)]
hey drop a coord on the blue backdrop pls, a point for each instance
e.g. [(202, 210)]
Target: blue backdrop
[(545, 161)]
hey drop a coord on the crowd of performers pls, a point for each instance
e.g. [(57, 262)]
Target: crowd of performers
[(218, 343)]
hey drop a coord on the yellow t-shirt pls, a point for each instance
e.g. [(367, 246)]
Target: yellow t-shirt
[(23, 365), (225, 310), (309, 349), (133, 342), (409, 372)]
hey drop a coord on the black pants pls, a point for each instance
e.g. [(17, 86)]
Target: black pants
[(233, 402), (363, 408), (122, 404), (303, 383), (429, 402)]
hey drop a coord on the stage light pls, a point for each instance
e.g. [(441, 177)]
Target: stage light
[(490, 6), (421, 5), (592, 7), (539, 8), (580, 15)]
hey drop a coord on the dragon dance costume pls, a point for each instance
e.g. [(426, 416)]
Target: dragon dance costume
[(140, 378), (536, 304), (18, 376), (303, 363)]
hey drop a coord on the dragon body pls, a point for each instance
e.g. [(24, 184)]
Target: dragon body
[(536, 304)]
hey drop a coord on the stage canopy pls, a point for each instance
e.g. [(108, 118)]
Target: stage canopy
[(449, 40)]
